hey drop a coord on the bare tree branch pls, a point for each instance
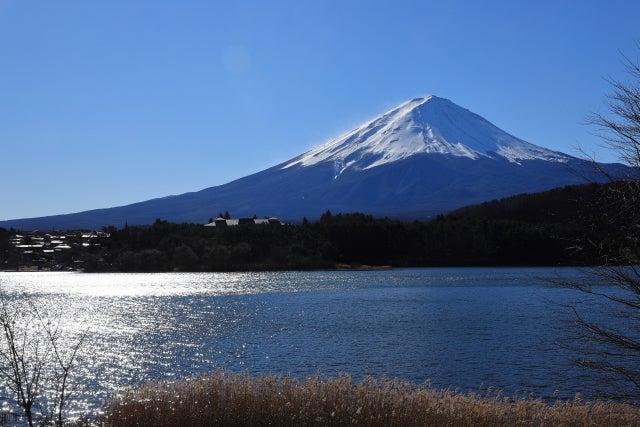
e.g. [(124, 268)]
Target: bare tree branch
[(611, 341)]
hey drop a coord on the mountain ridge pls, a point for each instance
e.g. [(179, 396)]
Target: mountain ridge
[(424, 157)]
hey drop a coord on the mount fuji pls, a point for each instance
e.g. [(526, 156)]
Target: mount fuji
[(424, 157)]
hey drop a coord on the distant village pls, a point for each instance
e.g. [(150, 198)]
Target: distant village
[(51, 251), (62, 251)]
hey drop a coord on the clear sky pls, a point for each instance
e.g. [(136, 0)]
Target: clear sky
[(110, 102)]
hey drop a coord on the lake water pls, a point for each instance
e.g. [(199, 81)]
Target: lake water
[(463, 329)]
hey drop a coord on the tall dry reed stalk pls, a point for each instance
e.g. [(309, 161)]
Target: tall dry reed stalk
[(223, 399)]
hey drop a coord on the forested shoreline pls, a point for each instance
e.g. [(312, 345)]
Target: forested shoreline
[(543, 229)]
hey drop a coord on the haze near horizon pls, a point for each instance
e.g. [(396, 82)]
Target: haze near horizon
[(106, 104)]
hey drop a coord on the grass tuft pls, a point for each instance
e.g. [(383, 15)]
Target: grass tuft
[(224, 399)]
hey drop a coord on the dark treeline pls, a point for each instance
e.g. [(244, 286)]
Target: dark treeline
[(342, 239), (547, 228)]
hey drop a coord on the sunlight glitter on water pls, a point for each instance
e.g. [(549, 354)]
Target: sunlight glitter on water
[(140, 285)]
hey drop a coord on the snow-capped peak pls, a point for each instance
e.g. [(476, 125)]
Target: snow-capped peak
[(428, 125)]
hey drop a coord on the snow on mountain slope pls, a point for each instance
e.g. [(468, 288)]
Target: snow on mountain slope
[(423, 125)]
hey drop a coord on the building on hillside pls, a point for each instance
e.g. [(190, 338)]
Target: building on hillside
[(233, 222)]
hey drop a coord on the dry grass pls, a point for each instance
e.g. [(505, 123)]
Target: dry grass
[(223, 399)]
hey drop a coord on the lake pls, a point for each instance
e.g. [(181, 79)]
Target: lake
[(458, 328)]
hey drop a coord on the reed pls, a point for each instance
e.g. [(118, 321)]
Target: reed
[(224, 399)]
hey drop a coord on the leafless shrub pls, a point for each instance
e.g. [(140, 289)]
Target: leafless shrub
[(35, 361)]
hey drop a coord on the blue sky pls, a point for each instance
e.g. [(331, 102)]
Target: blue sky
[(105, 103)]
